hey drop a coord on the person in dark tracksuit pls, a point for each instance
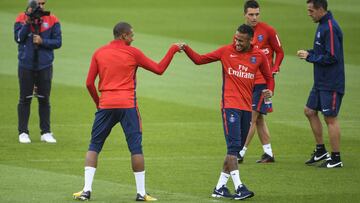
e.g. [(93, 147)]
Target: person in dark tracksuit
[(35, 58), (329, 83)]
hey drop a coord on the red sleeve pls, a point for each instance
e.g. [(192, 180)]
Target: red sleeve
[(265, 70), (90, 81), (54, 18), (276, 46), (150, 65), (21, 18), (203, 59)]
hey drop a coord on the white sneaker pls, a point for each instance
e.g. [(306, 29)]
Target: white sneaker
[(24, 138), (48, 137)]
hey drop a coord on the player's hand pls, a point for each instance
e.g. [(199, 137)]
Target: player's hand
[(28, 20), (302, 54), (37, 40), (275, 71), (181, 46), (267, 93), (28, 10)]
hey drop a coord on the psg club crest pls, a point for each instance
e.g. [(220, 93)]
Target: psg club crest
[(232, 118), (45, 25), (253, 59), (260, 38)]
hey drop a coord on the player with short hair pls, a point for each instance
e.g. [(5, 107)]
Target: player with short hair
[(266, 39), (329, 82), (240, 61), (116, 64)]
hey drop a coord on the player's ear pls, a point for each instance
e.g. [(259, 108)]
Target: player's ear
[(123, 36)]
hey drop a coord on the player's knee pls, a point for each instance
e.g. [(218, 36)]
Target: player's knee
[(96, 147), (134, 144), (134, 141), (252, 123), (135, 148), (260, 120), (309, 112), (330, 120), (43, 100), (253, 120), (25, 100), (233, 150)]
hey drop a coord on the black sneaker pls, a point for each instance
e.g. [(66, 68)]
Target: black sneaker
[(242, 193), (329, 163), (222, 192), (145, 198), (240, 158), (82, 195), (265, 158), (317, 156)]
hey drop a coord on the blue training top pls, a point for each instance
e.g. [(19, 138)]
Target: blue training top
[(50, 33), (328, 56)]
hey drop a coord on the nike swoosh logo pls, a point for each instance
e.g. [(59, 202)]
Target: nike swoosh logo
[(325, 110), (332, 165), (221, 193), (233, 55), (318, 158)]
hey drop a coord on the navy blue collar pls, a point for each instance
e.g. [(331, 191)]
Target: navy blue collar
[(326, 17)]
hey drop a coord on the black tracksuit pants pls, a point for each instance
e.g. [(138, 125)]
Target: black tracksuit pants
[(28, 79)]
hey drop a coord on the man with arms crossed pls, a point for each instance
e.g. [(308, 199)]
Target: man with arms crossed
[(116, 64), (266, 39), (329, 83), (240, 61)]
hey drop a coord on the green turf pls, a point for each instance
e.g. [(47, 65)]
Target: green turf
[(183, 139)]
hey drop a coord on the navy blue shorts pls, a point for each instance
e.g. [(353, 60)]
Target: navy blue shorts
[(258, 99), (106, 119), (328, 102), (236, 127)]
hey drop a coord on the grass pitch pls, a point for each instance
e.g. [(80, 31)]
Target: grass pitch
[(183, 137)]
